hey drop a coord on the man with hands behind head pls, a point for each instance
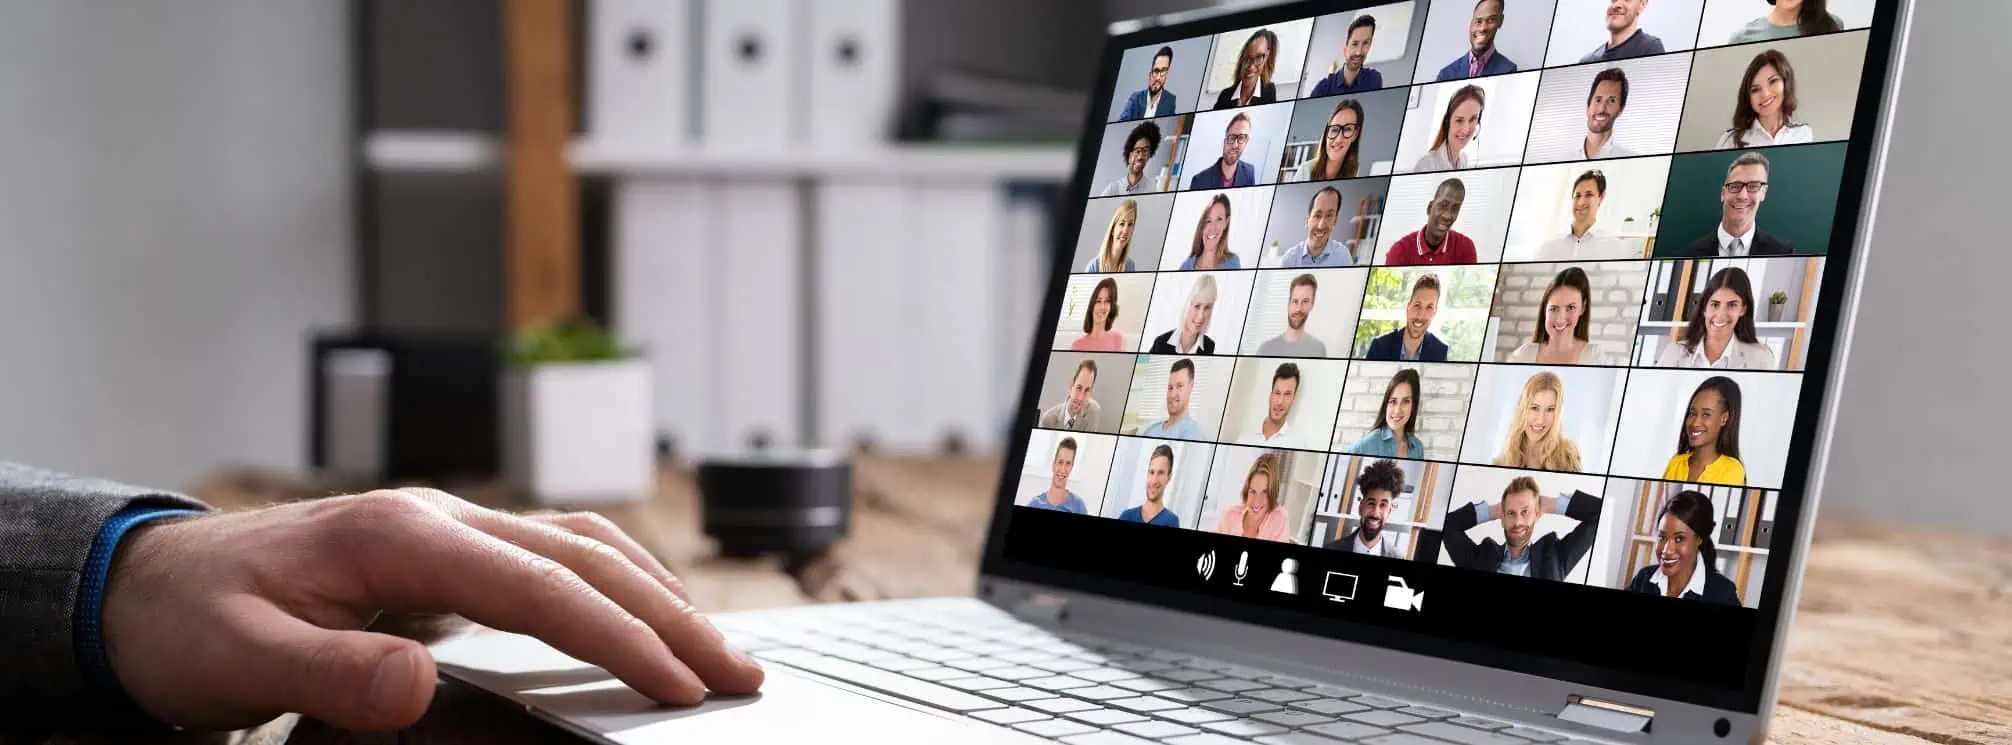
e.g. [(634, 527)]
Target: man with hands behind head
[(128, 606), (1524, 555)]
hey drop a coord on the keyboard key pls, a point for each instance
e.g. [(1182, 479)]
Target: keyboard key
[(1298, 738), (1146, 685), (976, 684), (1294, 719), (1147, 704), (942, 697), (1383, 718), (1059, 705), (1100, 693), (1380, 702), (1479, 722), (1241, 705), (899, 664), (1105, 717), (1208, 738), (1193, 695), (1010, 716), (1155, 730), (1018, 693), (1350, 731), (1427, 712), (1231, 685), (1193, 716), (940, 654), (1333, 691), (1244, 728), (1189, 675), (1105, 738), (1280, 695), (1062, 666), (1527, 733), (1463, 735), (975, 664), (1054, 728), (1056, 683), (936, 672), (1018, 673), (1286, 681), (1147, 666), (1025, 656), (1104, 674), (1402, 738), (1330, 706)]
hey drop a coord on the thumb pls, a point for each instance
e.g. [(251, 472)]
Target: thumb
[(355, 680)]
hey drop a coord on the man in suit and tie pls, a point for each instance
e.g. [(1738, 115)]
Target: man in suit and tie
[(1154, 100), (1414, 342), (1378, 486), (1738, 234), (1550, 557), (1080, 413)]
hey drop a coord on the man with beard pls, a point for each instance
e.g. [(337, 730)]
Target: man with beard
[(1436, 242), (1140, 145), (1159, 471), (1320, 249), (1551, 557), (1353, 77), (1229, 170), (1739, 234), (1380, 484), (1625, 37), (1482, 58), (1413, 342), (1154, 100), (1604, 105), (1274, 431), (1295, 342)]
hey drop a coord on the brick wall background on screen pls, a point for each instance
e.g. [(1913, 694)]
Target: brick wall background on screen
[(1617, 302), (1448, 389)]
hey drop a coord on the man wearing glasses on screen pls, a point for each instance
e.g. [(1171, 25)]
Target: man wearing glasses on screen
[(1320, 249), (1229, 170), (1154, 100), (1738, 234), (1353, 77), (1482, 57)]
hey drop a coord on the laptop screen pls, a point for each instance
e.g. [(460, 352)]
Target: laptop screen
[(1489, 330)]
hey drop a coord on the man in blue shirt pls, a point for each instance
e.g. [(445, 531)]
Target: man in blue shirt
[(1057, 496), (1482, 58), (1154, 100), (1625, 37), (1229, 170), (1353, 77), (1320, 249), (1178, 425), (1159, 470)]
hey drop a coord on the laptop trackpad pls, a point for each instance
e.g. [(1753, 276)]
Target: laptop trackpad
[(586, 699)]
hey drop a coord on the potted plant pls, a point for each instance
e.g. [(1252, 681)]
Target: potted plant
[(577, 416), (1775, 303)]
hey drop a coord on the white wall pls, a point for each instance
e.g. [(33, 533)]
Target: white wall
[(177, 212)]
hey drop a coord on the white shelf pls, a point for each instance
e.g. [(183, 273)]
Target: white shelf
[(478, 152)]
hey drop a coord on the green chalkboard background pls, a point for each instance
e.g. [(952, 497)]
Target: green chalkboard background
[(1801, 196)]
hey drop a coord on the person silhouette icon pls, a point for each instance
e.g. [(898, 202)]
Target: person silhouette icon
[(1286, 582)]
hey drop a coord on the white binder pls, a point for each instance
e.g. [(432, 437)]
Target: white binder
[(863, 381), (750, 71), (854, 71), (757, 314), (954, 249), (640, 66), (665, 263)]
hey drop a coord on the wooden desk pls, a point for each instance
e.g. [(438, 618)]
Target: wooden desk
[(1902, 637)]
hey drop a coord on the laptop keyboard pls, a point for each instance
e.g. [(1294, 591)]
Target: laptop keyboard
[(974, 660)]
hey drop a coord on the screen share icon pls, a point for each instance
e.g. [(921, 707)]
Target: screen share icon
[(1339, 587)]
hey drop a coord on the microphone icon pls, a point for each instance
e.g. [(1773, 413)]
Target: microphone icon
[(1243, 567)]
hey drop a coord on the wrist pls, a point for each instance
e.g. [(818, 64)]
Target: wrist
[(124, 544)]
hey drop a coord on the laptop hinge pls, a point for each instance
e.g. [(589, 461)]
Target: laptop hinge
[(1042, 608), (1607, 715)]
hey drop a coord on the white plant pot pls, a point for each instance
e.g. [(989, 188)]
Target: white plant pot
[(580, 432)]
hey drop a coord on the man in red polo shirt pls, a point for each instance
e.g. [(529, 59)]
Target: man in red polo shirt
[(1436, 243)]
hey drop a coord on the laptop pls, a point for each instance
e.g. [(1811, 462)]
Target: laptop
[(1411, 373)]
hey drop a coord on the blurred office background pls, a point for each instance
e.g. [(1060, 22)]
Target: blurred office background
[(194, 193)]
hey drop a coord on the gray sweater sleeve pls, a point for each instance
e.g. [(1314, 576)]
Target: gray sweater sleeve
[(48, 522)]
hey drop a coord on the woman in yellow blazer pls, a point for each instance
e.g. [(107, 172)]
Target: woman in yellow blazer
[(1708, 446)]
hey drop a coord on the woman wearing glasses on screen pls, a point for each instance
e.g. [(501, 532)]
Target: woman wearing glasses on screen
[(1457, 130), (1258, 515), (1097, 319), (1212, 239), (1790, 18), (1687, 564), (1765, 114), (1708, 446), (1254, 68), (1721, 334), (1115, 251), (1535, 438), (1396, 433), (1564, 321), (1340, 143)]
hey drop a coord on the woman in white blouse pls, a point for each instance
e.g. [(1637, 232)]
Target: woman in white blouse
[(1564, 322), (1721, 332), (1765, 114), (1457, 129)]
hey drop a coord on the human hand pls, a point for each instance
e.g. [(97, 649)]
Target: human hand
[(226, 621), (1546, 504)]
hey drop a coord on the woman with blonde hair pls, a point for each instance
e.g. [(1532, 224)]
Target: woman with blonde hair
[(1536, 439), (1114, 253), (1258, 515)]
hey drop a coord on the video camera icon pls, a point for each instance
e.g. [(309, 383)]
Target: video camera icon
[(1400, 596)]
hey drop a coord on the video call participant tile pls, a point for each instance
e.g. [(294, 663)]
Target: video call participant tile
[(1406, 410), (1363, 50), (1160, 80), (1255, 66), (1544, 418), (1467, 39), (1446, 218), (1158, 482), (1065, 471), (1425, 314), (1104, 313), (1757, 202), (1585, 31), (1237, 147), (1481, 123), (1216, 229), (1304, 313), (1384, 507), (1122, 234), (1344, 137), (1084, 392), (1609, 109), (1197, 313), (1788, 92), (1722, 314), (1685, 542), (1262, 493), (1140, 157), (1568, 314), (1177, 397), (1587, 211), (1722, 427), (1750, 21), (1533, 524), (1324, 224), (1283, 403)]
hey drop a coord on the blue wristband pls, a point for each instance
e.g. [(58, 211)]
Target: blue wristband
[(89, 633)]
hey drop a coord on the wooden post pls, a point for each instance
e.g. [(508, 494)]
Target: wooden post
[(541, 223)]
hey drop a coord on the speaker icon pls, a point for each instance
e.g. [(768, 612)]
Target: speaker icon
[(1206, 565)]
